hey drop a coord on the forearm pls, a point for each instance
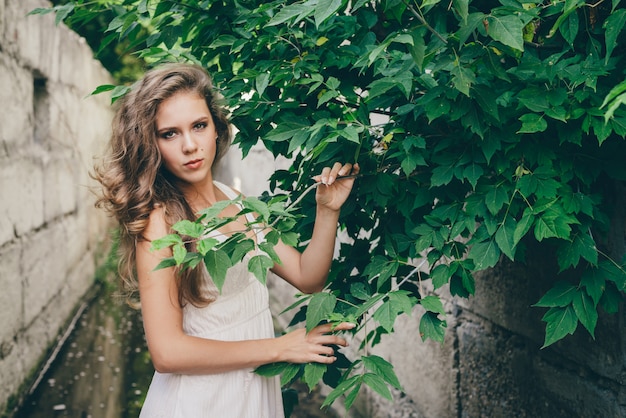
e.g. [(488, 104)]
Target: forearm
[(317, 257), (187, 354)]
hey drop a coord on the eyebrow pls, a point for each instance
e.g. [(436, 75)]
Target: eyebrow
[(170, 128)]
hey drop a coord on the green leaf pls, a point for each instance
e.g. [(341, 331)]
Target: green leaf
[(166, 263), (613, 26), (297, 11), (432, 303), (531, 123), (561, 294), (257, 206), (495, 199), (432, 327), (382, 368), (594, 283), (166, 241), (523, 226), (259, 265), (560, 321), (485, 254), (189, 228), (313, 373), (63, 12), (505, 237), (507, 29), (343, 387), (401, 301), (462, 78), (180, 252), (386, 315), (586, 311), (324, 9), (217, 263), (581, 245), (102, 88), (320, 306), (377, 383), (261, 82)]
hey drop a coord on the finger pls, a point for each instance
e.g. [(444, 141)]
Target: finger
[(345, 170), (334, 173), (324, 177)]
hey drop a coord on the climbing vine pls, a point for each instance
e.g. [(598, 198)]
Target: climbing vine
[(483, 128)]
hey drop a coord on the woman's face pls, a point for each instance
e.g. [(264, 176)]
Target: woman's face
[(186, 137)]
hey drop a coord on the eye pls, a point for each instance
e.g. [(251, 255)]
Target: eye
[(200, 126), (167, 134)]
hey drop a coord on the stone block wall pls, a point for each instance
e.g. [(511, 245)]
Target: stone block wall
[(50, 232)]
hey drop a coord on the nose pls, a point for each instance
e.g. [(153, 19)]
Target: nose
[(189, 144)]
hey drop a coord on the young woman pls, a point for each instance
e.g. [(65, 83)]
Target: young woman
[(168, 132)]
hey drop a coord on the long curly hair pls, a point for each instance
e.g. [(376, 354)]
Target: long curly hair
[(133, 179)]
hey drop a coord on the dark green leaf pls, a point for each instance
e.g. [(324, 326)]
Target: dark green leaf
[(217, 263), (432, 327), (313, 373), (320, 306), (560, 321), (561, 295), (259, 265), (585, 311), (382, 368), (377, 383)]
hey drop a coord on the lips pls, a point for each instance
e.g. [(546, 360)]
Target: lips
[(193, 163)]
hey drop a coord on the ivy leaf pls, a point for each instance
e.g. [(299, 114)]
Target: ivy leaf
[(433, 303), (313, 373), (254, 204), (180, 252), (324, 9), (189, 228), (383, 368), (613, 26), (259, 265), (560, 321), (343, 387), (442, 175), (581, 245), (166, 241), (217, 263), (508, 30), (165, 263), (594, 283), (561, 294), (531, 123), (586, 311), (377, 383), (485, 254), (386, 315), (432, 327), (495, 199), (523, 226), (320, 306), (462, 78), (504, 237), (401, 301)]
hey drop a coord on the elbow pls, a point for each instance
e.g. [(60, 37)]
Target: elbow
[(310, 289), (164, 361)]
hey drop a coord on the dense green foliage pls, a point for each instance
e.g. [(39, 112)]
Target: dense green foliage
[(482, 128)]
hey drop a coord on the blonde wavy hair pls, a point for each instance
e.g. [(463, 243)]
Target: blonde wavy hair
[(133, 179)]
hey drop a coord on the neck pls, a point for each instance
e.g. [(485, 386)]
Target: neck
[(200, 195)]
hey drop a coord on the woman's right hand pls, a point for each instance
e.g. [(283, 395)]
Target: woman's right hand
[(314, 347)]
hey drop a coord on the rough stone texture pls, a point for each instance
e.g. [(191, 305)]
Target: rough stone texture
[(49, 230)]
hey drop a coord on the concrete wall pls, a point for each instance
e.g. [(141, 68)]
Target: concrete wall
[(49, 229)]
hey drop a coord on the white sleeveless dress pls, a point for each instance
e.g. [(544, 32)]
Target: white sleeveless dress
[(240, 312)]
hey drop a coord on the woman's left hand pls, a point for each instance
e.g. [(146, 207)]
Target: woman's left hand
[(333, 191)]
